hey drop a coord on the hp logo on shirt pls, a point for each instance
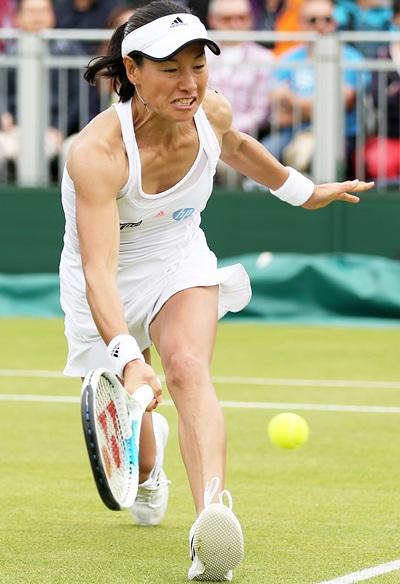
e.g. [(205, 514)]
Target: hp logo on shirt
[(182, 214)]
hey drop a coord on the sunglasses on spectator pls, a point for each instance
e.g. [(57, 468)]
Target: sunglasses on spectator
[(324, 19)]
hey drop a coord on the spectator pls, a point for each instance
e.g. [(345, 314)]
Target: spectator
[(266, 15), (243, 70), (105, 95), (85, 13), (280, 16), (364, 15), (200, 9), (118, 16), (241, 73), (288, 20), (7, 12), (382, 152), (82, 14), (32, 16), (293, 94)]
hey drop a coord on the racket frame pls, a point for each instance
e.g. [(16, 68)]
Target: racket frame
[(92, 445), (135, 407)]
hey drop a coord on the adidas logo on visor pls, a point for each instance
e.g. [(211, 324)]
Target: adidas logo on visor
[(177, 22)]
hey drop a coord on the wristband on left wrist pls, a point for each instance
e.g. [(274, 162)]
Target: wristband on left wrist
[(122, 349), (296, 190)]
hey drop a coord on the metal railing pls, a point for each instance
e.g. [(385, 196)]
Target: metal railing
[(33, 62)]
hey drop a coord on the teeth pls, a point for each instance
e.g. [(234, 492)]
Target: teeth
[(184, 101)]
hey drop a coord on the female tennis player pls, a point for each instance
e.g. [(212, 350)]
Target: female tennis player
[(136, 268)]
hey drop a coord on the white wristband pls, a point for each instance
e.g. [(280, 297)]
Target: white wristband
[(122, 349), (296, 189)]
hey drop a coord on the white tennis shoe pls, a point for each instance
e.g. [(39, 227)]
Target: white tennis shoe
[(152, 497), (215, 539)]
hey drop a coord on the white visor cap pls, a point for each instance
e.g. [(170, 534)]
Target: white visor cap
[(167, 35)]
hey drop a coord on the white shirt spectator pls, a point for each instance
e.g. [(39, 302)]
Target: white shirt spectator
[(242, 74)]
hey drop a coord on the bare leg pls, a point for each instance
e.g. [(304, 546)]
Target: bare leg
[(184, 334), (147, 448)]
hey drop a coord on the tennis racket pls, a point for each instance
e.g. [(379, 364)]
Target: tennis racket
[(111, 420)]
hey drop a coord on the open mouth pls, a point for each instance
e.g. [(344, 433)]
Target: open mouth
[(185, 101)]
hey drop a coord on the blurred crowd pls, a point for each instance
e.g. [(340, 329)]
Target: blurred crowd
[(272, 103)]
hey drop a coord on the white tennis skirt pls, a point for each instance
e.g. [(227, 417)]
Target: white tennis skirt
[(144, 290)]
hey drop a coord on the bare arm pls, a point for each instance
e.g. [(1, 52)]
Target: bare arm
[(349, 96), (97, 180), (250, 158), (99, 172), (239, 150)]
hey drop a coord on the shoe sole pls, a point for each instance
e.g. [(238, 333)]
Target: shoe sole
[(218, 542)]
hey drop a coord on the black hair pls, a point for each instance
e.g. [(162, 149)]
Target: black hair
[(111, 65), (396, 7)]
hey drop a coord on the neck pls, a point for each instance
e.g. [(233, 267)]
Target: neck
[(141, 114), (141, 99), (151, 127)]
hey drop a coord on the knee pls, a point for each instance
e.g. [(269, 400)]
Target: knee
[(185, 371)]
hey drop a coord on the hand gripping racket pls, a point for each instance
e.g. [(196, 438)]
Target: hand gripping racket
[(111, 420)]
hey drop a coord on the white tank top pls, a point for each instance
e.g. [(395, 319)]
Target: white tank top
[(159, 225)]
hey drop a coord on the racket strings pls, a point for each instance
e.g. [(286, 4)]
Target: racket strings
[(112, 430)]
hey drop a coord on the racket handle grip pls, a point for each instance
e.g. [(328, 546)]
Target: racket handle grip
[(143, 396)]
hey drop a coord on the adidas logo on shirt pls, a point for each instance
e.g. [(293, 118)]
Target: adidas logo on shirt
[(177, 22)]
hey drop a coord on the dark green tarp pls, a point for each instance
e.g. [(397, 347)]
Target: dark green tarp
[(335, 288), (322, 288)]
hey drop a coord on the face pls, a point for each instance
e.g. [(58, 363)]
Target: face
[(231, 15), (317, 16), (35, 15), (173, 89), (83, 5)]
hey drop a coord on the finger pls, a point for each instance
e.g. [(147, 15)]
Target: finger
[(349, 185), (348, 198), (364, 186), (359, 186)]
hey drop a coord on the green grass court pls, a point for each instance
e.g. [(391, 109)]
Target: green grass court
[(323, 511)]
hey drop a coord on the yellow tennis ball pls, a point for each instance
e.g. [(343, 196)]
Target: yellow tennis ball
[(288, 430)]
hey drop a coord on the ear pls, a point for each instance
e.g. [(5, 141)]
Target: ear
[(132, 70)]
